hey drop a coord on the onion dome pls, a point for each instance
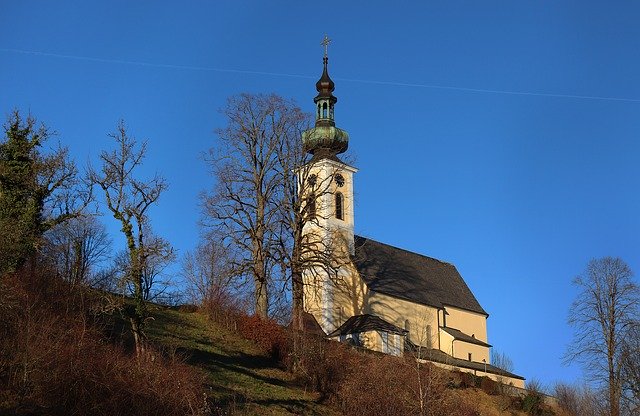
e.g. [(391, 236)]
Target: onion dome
[(325, 139), (325, 86)]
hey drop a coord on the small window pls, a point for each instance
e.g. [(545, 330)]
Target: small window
[(469, 356), (324, 110), (339, 206), (311, 206), (385, 342)]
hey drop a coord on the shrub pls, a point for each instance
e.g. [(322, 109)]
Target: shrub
[(376, 389), (271, 337), (323, 365), (187, 308), (489, 386), (55, 361), (467, 380), (533, 401)]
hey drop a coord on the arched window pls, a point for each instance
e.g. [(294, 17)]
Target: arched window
[(339, 206), (324, 110), (318, 110), (311, 206)]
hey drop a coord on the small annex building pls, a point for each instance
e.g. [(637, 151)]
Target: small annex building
[(381, 297)]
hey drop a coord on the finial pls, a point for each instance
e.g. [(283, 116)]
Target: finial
[(325, 42)]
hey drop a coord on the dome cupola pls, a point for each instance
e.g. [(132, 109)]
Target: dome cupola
[(325, 139)]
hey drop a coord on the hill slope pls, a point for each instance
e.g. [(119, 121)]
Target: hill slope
[(241, 379), (238, 374)]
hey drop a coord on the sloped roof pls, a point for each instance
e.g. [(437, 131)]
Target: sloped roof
[(364, 323), (435, 355), (311, 326), (461, 336), (411, 276)]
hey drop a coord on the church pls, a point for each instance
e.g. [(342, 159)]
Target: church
[(382, 298)]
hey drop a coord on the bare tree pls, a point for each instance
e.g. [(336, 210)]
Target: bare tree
[(604, 310), (38, 189), (206, 272), (305, 247), (159, 255), (423, 378), (129, 199), (631, 369), (243, 206), (577, 400), (501, 360), (77, 247)]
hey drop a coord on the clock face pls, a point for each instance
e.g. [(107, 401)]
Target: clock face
[(312, 180), (339, 180)]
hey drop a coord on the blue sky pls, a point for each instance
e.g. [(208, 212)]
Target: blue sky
[(502, 137)]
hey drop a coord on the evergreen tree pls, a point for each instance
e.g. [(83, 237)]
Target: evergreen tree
[(38, 190)]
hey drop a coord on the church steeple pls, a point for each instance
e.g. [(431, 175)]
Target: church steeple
[(325, 139), (325, 100)]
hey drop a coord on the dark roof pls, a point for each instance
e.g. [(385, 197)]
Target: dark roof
[(311, 326), (411, 276), (461, 336), (363, 323), (431, 354)]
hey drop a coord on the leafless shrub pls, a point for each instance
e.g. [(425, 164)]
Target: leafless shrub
[(54, 361), (578, 400)]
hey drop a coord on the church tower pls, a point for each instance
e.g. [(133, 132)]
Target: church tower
[(330, 196)]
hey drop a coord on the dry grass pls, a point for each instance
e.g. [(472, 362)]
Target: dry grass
[(56, 359)]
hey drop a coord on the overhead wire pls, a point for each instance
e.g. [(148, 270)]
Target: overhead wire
[(281, 74)]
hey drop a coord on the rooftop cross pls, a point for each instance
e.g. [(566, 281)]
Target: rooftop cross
[(325, 42)]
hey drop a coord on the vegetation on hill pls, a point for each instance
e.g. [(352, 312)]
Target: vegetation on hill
[(69, 351), (67, 348)]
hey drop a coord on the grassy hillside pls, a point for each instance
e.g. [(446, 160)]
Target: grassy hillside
[(239, 376), (241, 379), (67, 350)]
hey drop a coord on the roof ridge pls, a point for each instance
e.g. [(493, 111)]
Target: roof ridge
[(406, 251)]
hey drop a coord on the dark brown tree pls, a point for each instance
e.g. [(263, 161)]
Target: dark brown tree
[(244, 204), (129, 200), (77, 247), (603, 312), (631, 369)]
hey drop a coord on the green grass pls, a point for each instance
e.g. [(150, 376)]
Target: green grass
[(239, 376)]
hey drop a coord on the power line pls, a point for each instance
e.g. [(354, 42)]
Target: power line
[(280, 74)]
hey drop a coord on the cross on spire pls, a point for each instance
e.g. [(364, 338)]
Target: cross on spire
[(325, 42)]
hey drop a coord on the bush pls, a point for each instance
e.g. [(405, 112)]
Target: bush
[(489, 386), (271, 337), (468, 380), (533, 401), (55, 361)]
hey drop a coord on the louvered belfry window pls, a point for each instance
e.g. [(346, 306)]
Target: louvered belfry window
[(339, 206)]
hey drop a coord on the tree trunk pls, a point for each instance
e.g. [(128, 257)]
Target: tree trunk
[(138, 335), (262, 299), (297, 295)]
